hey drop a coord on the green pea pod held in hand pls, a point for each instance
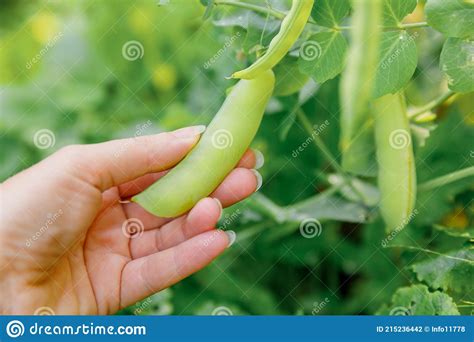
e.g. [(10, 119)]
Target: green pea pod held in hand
[(397, 174), (357, 84), (291, 28), (220, 148)]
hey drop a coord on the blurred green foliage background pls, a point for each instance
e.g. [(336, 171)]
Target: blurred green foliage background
[(62, 68)]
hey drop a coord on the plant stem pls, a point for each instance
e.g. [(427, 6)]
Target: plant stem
[(395, 28), (253, 230), (281, 15), (431, 252), (466, 304), (317, 140), (411, 25), (446, 179), (259, 9), (265, 206), (432, 104), (321, 146)]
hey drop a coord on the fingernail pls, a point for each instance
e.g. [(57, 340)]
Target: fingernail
[(259, 159), (220, 205), (188, 132), (231, 236), (259, 179)]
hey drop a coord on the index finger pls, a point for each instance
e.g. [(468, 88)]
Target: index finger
[(115, 162)]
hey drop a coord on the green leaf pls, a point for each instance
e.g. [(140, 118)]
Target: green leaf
[(395, 10), (259, 31), (457, 61), (454, 18), (453, 271), (322, 55), (397, 62), (417, 300), (329, 13), (289, 78)]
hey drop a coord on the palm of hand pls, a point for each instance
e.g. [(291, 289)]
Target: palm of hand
[(108, 267), (86, 261)]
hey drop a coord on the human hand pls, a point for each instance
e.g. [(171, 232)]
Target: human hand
[(66, 241)]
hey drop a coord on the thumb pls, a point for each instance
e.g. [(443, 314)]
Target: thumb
[(115, 162)]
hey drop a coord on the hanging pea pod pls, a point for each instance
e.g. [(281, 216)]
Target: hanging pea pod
[(290, 29), (222, 145), (397, 174), (356, 88)]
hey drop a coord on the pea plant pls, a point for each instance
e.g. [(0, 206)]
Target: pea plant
[(362, 109), (218, 151), (373, 86), (250, 96)]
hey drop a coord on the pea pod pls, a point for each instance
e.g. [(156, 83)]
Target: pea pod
[(357, 85), (290, 29), (396, 175), (216, 154)]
